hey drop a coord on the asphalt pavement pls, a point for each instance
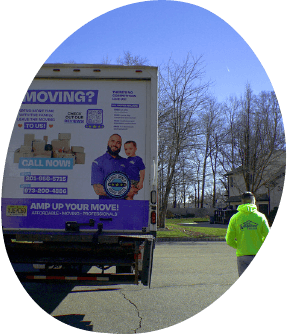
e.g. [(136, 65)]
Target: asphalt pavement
[(187, 277)]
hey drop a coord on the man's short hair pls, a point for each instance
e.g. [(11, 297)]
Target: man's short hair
[(114, 135), (248, 198)]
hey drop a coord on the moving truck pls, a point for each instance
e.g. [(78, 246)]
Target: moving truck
[(79, 197)]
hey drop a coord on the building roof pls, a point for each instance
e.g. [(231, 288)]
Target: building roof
[(237, 198)]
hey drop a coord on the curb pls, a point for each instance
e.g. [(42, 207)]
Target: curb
[(189, 239)]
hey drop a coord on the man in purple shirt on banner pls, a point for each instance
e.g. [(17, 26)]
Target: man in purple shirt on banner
[(110, 162)]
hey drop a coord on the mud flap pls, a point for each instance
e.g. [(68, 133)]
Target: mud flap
[(147, 262)]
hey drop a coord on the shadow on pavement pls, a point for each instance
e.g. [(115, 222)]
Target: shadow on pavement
[(48, 296), (96, 290), (75, 320)]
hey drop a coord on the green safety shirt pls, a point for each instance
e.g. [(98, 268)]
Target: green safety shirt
[(247, 230)]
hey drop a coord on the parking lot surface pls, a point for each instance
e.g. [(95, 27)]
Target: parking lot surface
[(187, 277)]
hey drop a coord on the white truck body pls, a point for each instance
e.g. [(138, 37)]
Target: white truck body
[(59, 144)]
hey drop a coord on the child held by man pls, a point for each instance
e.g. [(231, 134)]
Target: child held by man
[(136, 167)]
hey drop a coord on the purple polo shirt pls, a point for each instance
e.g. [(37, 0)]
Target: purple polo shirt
[(104, 165), (134, 166)]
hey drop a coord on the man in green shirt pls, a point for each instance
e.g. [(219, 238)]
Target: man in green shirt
[(246, 231)]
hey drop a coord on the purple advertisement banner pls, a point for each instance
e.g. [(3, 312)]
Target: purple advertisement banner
[(54, 213)]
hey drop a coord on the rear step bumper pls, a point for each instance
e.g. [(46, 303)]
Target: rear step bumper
[(83, 279)]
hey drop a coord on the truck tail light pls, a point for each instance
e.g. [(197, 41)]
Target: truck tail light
[(153, 217)]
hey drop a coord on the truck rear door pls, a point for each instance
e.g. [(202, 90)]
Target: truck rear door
[(61, 138)]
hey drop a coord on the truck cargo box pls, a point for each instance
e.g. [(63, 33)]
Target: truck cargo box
[(82, 159)]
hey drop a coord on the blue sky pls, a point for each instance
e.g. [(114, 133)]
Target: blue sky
[(159, 30)]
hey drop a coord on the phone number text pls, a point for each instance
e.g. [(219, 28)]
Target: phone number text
[(51, 179), (45, 190)]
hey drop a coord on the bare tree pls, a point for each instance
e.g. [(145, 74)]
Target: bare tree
[(210, 119), (106, 60), (268, 140), (181, 94), (183, 178), (230, 132), (129, 59), (245, 139), (254, 138)]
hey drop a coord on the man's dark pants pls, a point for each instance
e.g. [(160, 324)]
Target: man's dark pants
[(243, 263)]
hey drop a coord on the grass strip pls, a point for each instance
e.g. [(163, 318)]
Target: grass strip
[(175, 229)]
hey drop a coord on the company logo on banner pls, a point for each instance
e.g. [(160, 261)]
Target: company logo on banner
[(117, 185), (73, 97)]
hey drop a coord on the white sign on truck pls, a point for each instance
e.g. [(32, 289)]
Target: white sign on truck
[(81, 174), (61, 165)]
